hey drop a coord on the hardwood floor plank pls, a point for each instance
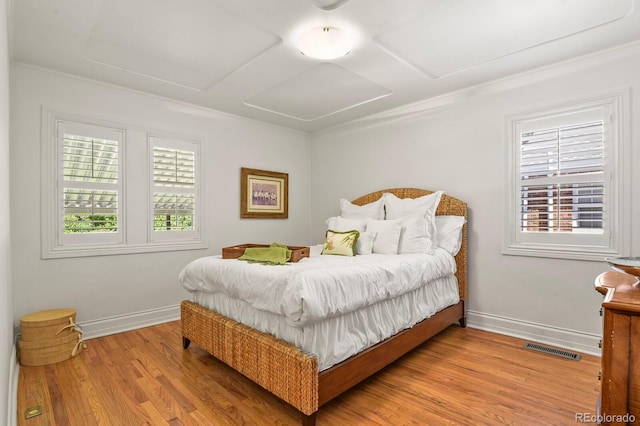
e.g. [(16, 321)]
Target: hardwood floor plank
[(32, 392), (83, 376), (155, 417), (72, 386), (460, 377), (58, 409), (121, 396)]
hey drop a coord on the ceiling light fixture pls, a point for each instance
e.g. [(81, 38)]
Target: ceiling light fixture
[(325, 43), (328, 4)]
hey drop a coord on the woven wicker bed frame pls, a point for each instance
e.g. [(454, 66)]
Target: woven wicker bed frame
[(262, 357)]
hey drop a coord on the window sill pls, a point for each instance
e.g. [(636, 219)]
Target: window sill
[(597, 254), (92, 250)]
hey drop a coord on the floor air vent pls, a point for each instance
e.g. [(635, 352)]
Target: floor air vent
[(552, 351)]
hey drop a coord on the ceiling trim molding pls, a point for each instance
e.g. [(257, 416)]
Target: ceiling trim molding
[(494, 86), (171, 104)]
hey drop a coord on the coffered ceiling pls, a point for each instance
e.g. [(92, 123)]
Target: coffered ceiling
[(241, 56)]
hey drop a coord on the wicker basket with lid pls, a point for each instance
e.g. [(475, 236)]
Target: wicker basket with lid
[(47, 337)]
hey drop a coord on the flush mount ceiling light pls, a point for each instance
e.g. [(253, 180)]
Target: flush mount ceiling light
[(325, 43), (328, 4)]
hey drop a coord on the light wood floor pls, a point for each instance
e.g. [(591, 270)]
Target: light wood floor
[(460, 377)]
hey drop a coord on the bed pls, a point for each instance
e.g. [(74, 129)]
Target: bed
[(308, 382)]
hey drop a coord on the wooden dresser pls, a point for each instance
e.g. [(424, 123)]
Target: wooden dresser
[(620, 390)]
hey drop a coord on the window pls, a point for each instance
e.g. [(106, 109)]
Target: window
[(89, 183), (113, 189), (562, 178), (174, 202), (565, 196)]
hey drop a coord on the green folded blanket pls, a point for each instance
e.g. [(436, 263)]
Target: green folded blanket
[(275, 254)]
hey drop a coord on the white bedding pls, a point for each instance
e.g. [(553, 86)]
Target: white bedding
[(317, 287), (337, 338), (380, 296)]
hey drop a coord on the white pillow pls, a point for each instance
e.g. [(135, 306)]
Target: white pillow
[(387, 239), (364, 245), (374, 210), (450, 233), (403, 207), (339, 223), (413, 237), (425, 206)]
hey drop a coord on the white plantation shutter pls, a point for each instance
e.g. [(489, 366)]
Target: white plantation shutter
[(175, 188), (89, 183), (173, 167), (562, 179), (565, 193)]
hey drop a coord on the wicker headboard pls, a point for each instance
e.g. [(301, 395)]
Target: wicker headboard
[(448, 206)]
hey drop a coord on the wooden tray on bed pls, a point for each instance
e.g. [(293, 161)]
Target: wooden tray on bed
[(234, 252)]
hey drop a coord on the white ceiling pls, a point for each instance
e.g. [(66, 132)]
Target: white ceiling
[(240, 56)]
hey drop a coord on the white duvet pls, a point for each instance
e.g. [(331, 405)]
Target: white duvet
[(317, 287)]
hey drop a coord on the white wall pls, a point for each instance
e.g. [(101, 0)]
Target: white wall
[(104, 288), (460, 148), (6, 298)]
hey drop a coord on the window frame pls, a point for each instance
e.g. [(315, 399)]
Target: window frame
[(614, 240), (136, 190)]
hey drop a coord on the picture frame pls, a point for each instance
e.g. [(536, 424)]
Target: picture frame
[(263, 194)]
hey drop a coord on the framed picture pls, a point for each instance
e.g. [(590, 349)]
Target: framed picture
[(264, 194)]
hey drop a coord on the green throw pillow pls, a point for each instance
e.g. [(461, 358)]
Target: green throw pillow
[(341, 243)]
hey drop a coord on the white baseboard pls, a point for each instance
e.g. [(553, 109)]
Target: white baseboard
[(568, 339), (14, 373), (118, 324)]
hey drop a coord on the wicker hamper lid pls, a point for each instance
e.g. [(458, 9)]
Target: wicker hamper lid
[(51, 316), (45, 325)]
